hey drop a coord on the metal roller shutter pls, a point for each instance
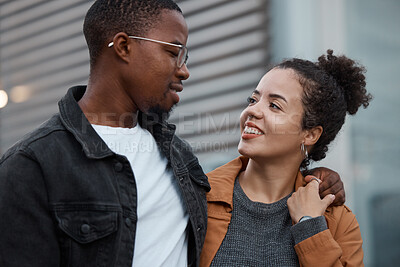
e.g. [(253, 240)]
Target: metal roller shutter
[(228, 54), (43, 52)]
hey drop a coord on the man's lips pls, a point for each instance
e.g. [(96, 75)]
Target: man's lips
[(174, 89)]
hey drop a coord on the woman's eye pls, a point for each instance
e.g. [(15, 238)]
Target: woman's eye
[(251, 100), (272, 105)]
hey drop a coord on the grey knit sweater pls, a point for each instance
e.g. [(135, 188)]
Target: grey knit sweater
[(262, 234)]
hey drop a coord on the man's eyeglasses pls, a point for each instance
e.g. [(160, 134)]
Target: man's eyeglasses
[(182, 55)]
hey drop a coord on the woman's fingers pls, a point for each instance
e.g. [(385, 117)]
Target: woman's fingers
[(327, 200), (330, 186), (310, 178), (307, 202)]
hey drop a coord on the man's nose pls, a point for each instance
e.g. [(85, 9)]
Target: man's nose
[(183, 72)]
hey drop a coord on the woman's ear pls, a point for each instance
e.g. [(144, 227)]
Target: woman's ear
[(122, 46), (312, 135)]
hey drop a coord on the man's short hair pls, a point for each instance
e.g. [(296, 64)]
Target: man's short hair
[(105, 18)]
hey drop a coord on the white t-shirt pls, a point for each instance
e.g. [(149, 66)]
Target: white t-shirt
[(161, 238)]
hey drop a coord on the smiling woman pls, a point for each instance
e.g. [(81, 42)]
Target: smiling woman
[(260, 210), (275, 110)]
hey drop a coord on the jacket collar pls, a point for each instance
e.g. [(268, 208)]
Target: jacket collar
[(222, 181), (162, 132), (76, 122)]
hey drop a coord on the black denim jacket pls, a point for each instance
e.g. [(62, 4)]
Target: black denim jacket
[(67, 200)]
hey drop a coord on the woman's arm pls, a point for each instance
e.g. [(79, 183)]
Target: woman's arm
[(342, 249), (340, 245)]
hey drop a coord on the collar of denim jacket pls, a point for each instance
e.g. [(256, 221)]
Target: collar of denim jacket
[(76, 122)]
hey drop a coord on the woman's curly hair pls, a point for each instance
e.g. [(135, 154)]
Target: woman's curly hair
[(332, 86)]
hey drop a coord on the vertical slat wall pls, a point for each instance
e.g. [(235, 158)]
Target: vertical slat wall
[(42, 51), (42, 48), (228, 53)]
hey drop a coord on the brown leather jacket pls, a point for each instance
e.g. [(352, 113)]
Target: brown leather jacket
[(340, 245)]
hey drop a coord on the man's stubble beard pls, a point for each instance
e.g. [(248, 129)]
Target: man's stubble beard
[(158, 113)]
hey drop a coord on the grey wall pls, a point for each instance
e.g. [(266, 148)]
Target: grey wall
[(42, 53), (367, 151), (229, 52), (374, 37)]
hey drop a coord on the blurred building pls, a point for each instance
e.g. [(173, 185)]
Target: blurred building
[(231, 45)]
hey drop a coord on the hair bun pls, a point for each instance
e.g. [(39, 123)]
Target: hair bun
[(349, 76)]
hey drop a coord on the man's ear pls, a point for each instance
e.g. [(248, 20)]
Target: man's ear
[(312, 135), (122, 46)]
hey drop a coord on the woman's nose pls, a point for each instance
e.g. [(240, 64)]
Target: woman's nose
[(254, 111)]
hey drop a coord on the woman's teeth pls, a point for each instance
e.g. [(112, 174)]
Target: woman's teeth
[(250, 130)]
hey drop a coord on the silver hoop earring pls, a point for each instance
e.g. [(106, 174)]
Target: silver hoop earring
[(304, 150)]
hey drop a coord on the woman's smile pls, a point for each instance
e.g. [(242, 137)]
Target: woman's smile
[(251, 131)]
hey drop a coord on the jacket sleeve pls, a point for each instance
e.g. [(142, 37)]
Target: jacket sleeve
[(340, 245), (27, 233)]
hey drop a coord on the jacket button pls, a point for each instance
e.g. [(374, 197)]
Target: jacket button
[(128, 222), (85, 228), (118, 166), (199, 228)]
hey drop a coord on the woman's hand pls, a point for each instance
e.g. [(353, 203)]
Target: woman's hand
[(307, 202)]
